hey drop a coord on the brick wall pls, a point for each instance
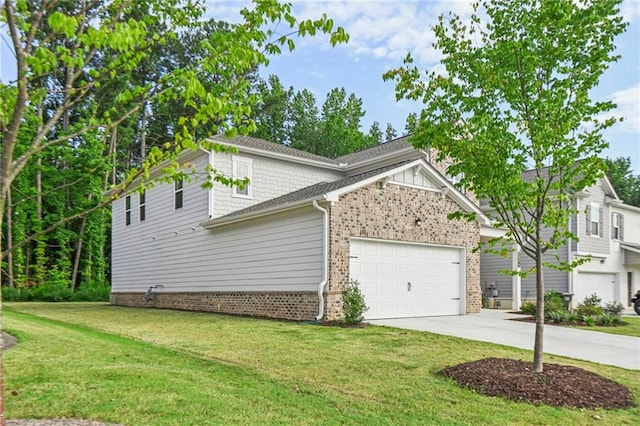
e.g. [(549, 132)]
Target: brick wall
[(389, 213), (296, 306)]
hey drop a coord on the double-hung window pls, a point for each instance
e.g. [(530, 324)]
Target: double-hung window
[(143, 206), (178, 194), (242, 171), (594, 218), (127, 210), (617, 221)]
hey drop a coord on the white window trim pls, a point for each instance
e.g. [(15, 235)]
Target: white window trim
[(127, 210), (142, 204), (249, 163), (594, 207), (175, 191), (618, 237)]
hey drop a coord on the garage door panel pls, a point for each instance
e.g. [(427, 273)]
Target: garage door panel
[(588, 283), (400, 279)]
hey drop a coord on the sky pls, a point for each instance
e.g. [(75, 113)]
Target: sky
[(382, 32)]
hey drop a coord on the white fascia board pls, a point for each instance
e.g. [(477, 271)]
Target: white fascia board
[(217, 222), (491, 231), (630, 248)]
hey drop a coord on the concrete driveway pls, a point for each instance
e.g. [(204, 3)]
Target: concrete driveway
[(494, 326)]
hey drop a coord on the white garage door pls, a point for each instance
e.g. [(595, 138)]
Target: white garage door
[(408, 280), (590, 282)]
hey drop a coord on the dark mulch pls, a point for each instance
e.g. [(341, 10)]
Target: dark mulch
[(8, 341), (557, 385), (343, 324)]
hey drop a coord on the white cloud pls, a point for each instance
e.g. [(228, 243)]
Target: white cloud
[(628, 101)]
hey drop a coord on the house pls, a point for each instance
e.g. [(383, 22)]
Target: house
[(287, 244), (608, 234)]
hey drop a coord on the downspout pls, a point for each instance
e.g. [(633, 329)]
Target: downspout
[(325, 259)]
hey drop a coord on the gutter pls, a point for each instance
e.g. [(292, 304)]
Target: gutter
[(325, 259)]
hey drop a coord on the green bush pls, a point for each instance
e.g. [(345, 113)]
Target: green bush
[(528, 308), (553, 302), (353, 304), (613, 308), (53, 292), (590, 306), (589, 320), (16, 294), (93, 293), (608, 320)]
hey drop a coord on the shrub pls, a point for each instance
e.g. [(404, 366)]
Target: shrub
[(16, 294), (553, 302), (353, 304), (528, 308), (613, 308), (53, 292), (608, 320), (590, 306), (589, 320)]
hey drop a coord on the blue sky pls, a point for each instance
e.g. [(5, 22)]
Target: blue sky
[(382, 33)]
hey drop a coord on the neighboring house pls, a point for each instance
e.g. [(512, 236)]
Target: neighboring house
[(286, 245), (608, 234)]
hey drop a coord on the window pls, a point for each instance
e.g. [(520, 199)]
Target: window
[(242, 170), (178, 194), (127, 210), (617, 221), (143, 206), (594, 217)]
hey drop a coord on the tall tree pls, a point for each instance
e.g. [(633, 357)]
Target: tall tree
[(304, 122), (390, 132), (627, 185), (375, 133), (272, 112), (340, 128), (515, 96)]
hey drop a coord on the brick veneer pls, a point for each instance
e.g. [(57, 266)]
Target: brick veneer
[(389, 213), (287, 305)]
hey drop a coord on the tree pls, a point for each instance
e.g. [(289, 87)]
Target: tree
[(375, 133), (304, 123), (390, 133), (626, 185), (272, 112), (340, 125), (66, 53), (515, 97)]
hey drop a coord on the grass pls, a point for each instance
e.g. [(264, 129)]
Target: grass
[(631, 327), (159, 367)]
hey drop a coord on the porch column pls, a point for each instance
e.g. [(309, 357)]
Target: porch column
[(516, 280)]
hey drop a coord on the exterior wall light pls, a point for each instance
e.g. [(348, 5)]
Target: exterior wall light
[(418, 222)]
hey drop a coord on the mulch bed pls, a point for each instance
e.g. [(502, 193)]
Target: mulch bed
[(557, 385)]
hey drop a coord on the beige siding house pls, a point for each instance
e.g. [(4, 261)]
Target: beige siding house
[(286, 245)]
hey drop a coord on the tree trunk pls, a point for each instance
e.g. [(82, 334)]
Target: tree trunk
[(538, 352), (77, 256), (9, 237)]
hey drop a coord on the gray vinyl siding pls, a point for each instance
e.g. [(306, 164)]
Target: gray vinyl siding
[(143, 248), (594, 243), (277, 253), (271, 178), (554, 279)]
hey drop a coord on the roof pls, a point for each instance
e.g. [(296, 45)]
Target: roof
[(313, 192), (332, 190), (380, 150)]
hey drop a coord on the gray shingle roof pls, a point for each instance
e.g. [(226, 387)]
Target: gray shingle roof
[(309, 193), (376, 151), (251, 142), (379, 150)]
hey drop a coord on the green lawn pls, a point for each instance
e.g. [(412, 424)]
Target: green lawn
[(630, 328), (160, 367)]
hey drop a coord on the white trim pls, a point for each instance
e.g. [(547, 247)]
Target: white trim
[(238, 160), (212, 189), (325, 259), (411, 185), (586, 254)]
